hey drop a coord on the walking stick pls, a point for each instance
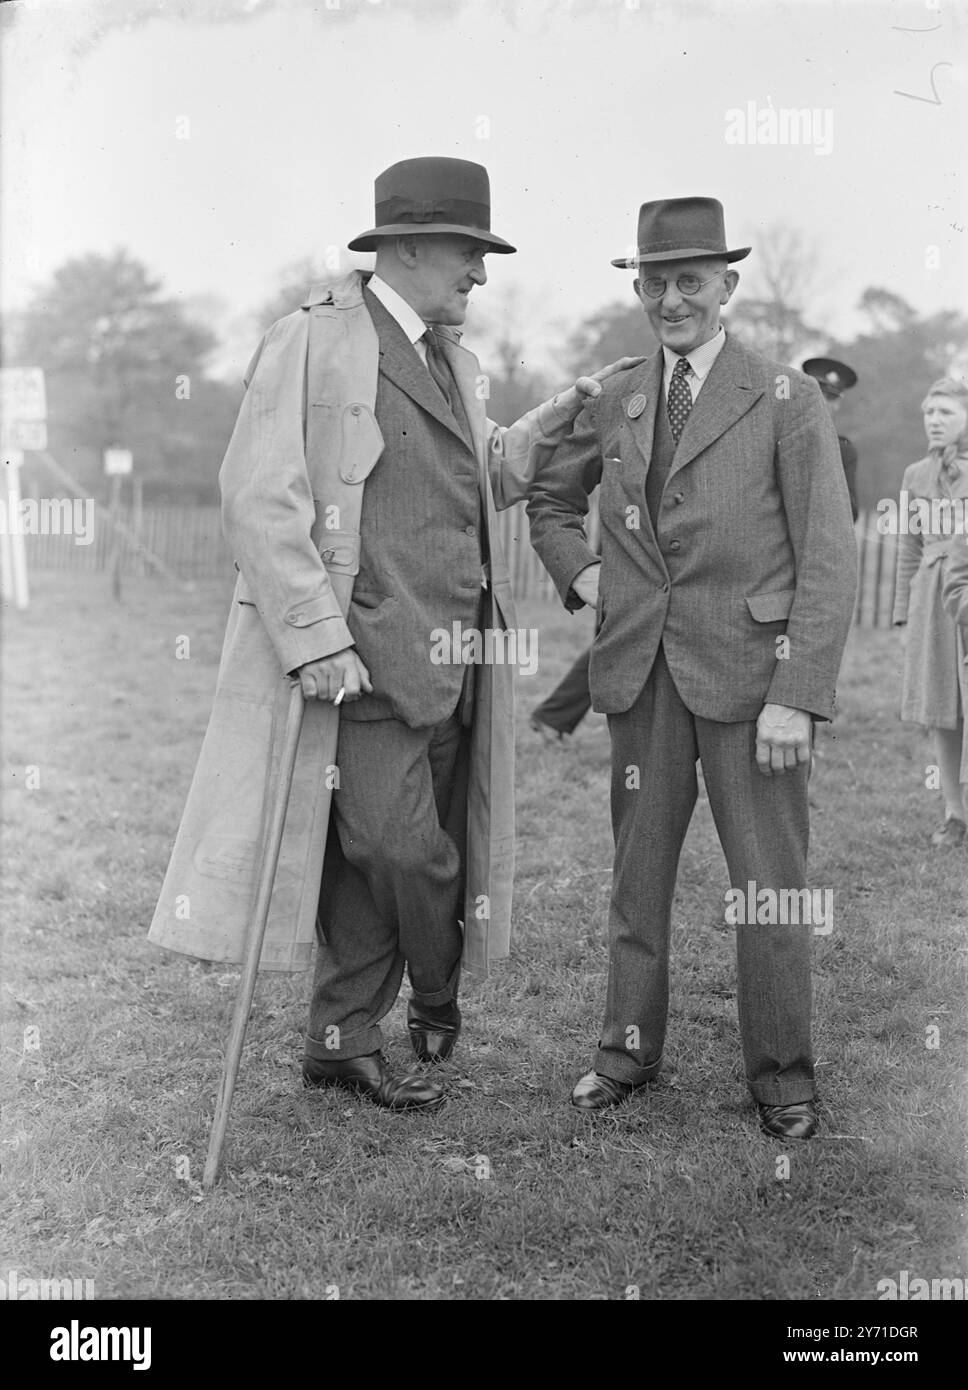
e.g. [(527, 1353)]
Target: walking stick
[(257, 931)]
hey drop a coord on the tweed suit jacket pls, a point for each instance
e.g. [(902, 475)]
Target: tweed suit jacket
[(753, 541), (421, 544)]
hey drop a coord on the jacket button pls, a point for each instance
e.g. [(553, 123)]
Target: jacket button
[(470, 530), (665, 588), (678, 498), (354, 410), (674, 545)]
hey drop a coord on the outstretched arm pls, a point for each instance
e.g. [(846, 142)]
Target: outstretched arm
[(517, 453)]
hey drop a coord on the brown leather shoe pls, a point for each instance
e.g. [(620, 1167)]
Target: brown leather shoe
[(371, 1077), (789, 1121), (596, 1092), (433, 1031)]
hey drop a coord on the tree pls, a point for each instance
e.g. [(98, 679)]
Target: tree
[(125, 366), (618, 330), (772, 316), (896, 362)]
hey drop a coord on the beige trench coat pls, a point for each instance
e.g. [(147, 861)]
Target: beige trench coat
[(280, 474)]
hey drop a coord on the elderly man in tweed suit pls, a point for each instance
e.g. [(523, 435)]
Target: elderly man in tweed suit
[(724, 597)]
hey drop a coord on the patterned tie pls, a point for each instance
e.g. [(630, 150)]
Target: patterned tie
[(439, 370), (679, 403)]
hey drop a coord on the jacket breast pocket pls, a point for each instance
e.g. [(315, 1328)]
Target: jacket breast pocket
[(368, 598), (771, 607)]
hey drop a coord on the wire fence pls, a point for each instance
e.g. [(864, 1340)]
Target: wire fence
[(189, 542)]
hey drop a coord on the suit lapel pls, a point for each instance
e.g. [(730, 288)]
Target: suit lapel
[(466, 370), (399, 361), (727, 393), (645, 381)]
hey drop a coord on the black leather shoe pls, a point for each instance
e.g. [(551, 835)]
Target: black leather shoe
[(371, 1077), (433, 1030), (789, 1121), (595, 1092)]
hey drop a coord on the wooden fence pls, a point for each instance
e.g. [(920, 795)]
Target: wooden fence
[(189, 541)]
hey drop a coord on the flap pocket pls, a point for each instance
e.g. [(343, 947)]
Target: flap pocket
[(340, 551), (353, 431), (772, 607)]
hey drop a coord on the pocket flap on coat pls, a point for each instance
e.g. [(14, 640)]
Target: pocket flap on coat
[(340, 551), (361, 443), (772, 607)]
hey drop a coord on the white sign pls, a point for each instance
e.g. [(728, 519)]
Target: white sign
[(22, 394), (23, 434), (118, 461)]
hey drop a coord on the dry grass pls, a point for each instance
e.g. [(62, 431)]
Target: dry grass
[(676, 1194)]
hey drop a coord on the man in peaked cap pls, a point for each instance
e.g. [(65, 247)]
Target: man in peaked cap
[(834, 378), (368, 382), (724, 598)]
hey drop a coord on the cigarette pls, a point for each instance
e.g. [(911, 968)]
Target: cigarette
[(342, 692)]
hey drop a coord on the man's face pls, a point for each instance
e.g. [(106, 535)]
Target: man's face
[(683, 322), (445, 270)]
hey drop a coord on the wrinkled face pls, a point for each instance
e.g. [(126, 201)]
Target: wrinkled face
[(683, 322), (444, 271), (945, 421)]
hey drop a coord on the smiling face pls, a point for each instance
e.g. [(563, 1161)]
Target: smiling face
[(945, 421), (434, 272), (684, 322)]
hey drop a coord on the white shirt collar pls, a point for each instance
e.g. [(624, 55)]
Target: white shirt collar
[(700, 359), (395, 304)]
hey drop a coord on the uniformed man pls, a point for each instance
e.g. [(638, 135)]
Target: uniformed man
[(834, 378)]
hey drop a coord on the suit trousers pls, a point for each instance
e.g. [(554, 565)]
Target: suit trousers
[(763, 828), (393, 884)]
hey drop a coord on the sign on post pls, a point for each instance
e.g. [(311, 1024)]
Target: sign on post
[(23, 434), (118, 462), (22, 394)]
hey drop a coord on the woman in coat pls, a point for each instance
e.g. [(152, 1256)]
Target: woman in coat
[(934, 500)]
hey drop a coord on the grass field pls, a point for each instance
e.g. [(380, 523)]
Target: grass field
[(112, 1049)]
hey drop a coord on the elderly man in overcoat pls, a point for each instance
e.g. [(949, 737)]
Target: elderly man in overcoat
[(724, 597), (360, 492)]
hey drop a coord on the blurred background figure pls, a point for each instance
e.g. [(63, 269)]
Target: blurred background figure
[(834, 378), (567, 704), (933, 692)]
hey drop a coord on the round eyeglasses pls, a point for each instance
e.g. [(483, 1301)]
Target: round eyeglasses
[(656, 285)]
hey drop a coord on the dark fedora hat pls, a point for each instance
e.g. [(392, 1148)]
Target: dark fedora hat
[(678, 229), (432, 194), (834, 377)]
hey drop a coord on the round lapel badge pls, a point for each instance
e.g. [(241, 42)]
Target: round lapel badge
[(636, 406)]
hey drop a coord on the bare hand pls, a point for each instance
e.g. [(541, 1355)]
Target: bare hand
[(587, 387), (343, 671), (585, 585), (591, 385), (783, 739)]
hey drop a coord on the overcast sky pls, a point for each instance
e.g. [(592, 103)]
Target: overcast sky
[(580, 111)]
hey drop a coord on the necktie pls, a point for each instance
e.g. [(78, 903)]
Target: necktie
[(439, 370), (679, 402)]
